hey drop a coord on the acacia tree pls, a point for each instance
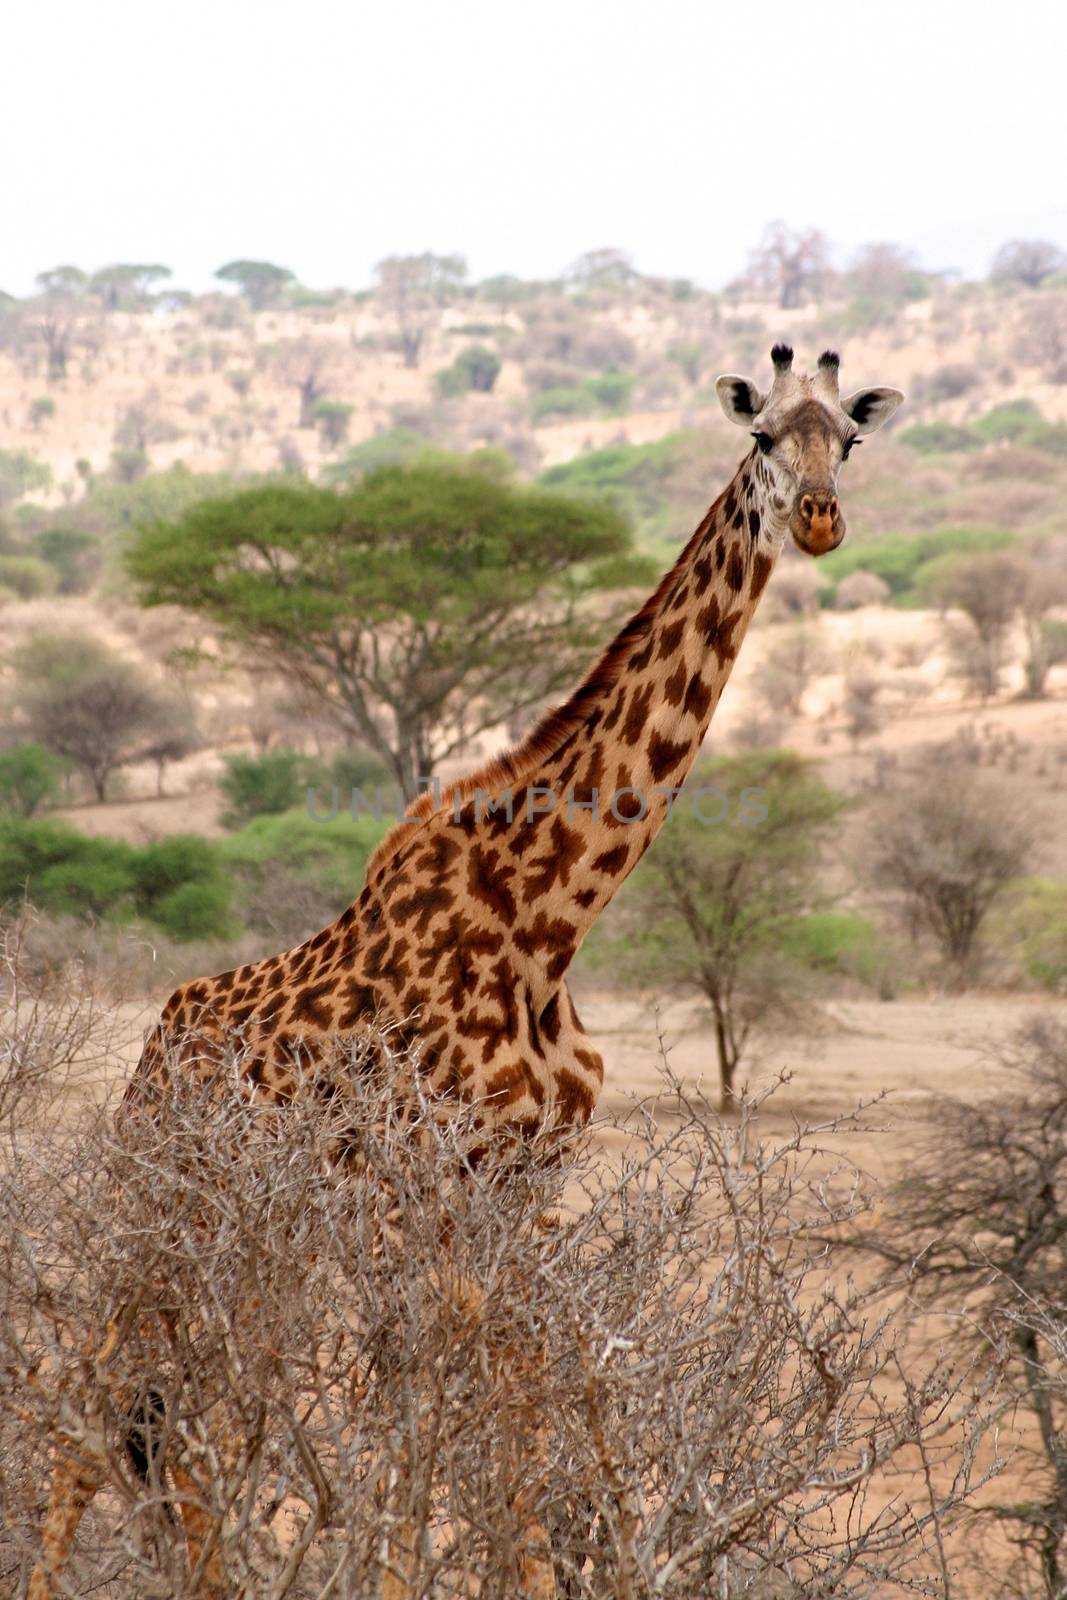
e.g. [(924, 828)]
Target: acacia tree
[(127, 285), (418, 608), (261, 282), (715, 904)]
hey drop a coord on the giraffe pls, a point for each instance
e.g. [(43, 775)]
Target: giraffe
[(475, 904)]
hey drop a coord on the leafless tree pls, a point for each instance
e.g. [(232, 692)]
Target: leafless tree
[(344, 1357), (989, 590), (412, 288), (81, 701), (1028, 261), (605, 268), (864, 714), (794, 592), (144, 422), (946, 842), (311, 367), (883, 271), (789, 263), (978, 1220), (174, 737), (788, 667), (1042, 337), (1044, 591), (862, 588)]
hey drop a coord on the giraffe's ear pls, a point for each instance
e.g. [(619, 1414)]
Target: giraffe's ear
[(740, 399), (869, 408)]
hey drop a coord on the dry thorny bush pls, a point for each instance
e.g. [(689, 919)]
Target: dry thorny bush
[(364, 1350)]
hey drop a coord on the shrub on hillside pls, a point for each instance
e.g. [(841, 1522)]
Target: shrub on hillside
[(610, 392), (1009, 420), (197, 910), (950, 381), (29, 778), (475, 369), (67, 873), (862, 588), (1033, 922), (332, 854), (935, 438), (27, 576), (75, 557), (900, 558), (259, 786), (389, 449)]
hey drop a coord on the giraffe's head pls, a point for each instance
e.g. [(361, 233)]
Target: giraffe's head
[(803, 432)]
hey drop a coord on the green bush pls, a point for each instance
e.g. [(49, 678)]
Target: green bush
[(29, 778), (393, 448), (609, 392), (258, 786), (66, 872), (1048, 436), (837, 943), (27, 576), (169, 864), (359, 769), (27, 849), (198, 910), (89, 886), (1034, 922), (933, 438), (332, 855), (74, 557), (562, 402), (1010, 420), (649, 483), (475, 368), (184, 884), (902, 559), (62, 870)]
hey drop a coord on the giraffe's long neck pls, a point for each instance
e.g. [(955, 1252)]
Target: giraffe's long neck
[(586, 812)]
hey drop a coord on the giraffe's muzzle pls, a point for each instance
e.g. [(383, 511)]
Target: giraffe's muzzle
[(817, 524)]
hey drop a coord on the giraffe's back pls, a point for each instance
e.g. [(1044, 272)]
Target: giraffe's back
[(456, 996)]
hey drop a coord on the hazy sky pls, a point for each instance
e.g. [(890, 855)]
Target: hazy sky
[(325, 136)]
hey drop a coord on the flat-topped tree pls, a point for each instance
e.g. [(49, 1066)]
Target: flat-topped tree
[(472, 912), (422, 606), (261, 282)]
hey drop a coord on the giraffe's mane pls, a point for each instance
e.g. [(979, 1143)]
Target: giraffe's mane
[(519, 764)]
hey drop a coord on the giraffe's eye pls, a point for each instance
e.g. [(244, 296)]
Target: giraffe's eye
[(848, 446), (765, 442)]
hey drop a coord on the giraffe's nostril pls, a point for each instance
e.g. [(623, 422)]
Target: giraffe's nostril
[(807, 507)]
